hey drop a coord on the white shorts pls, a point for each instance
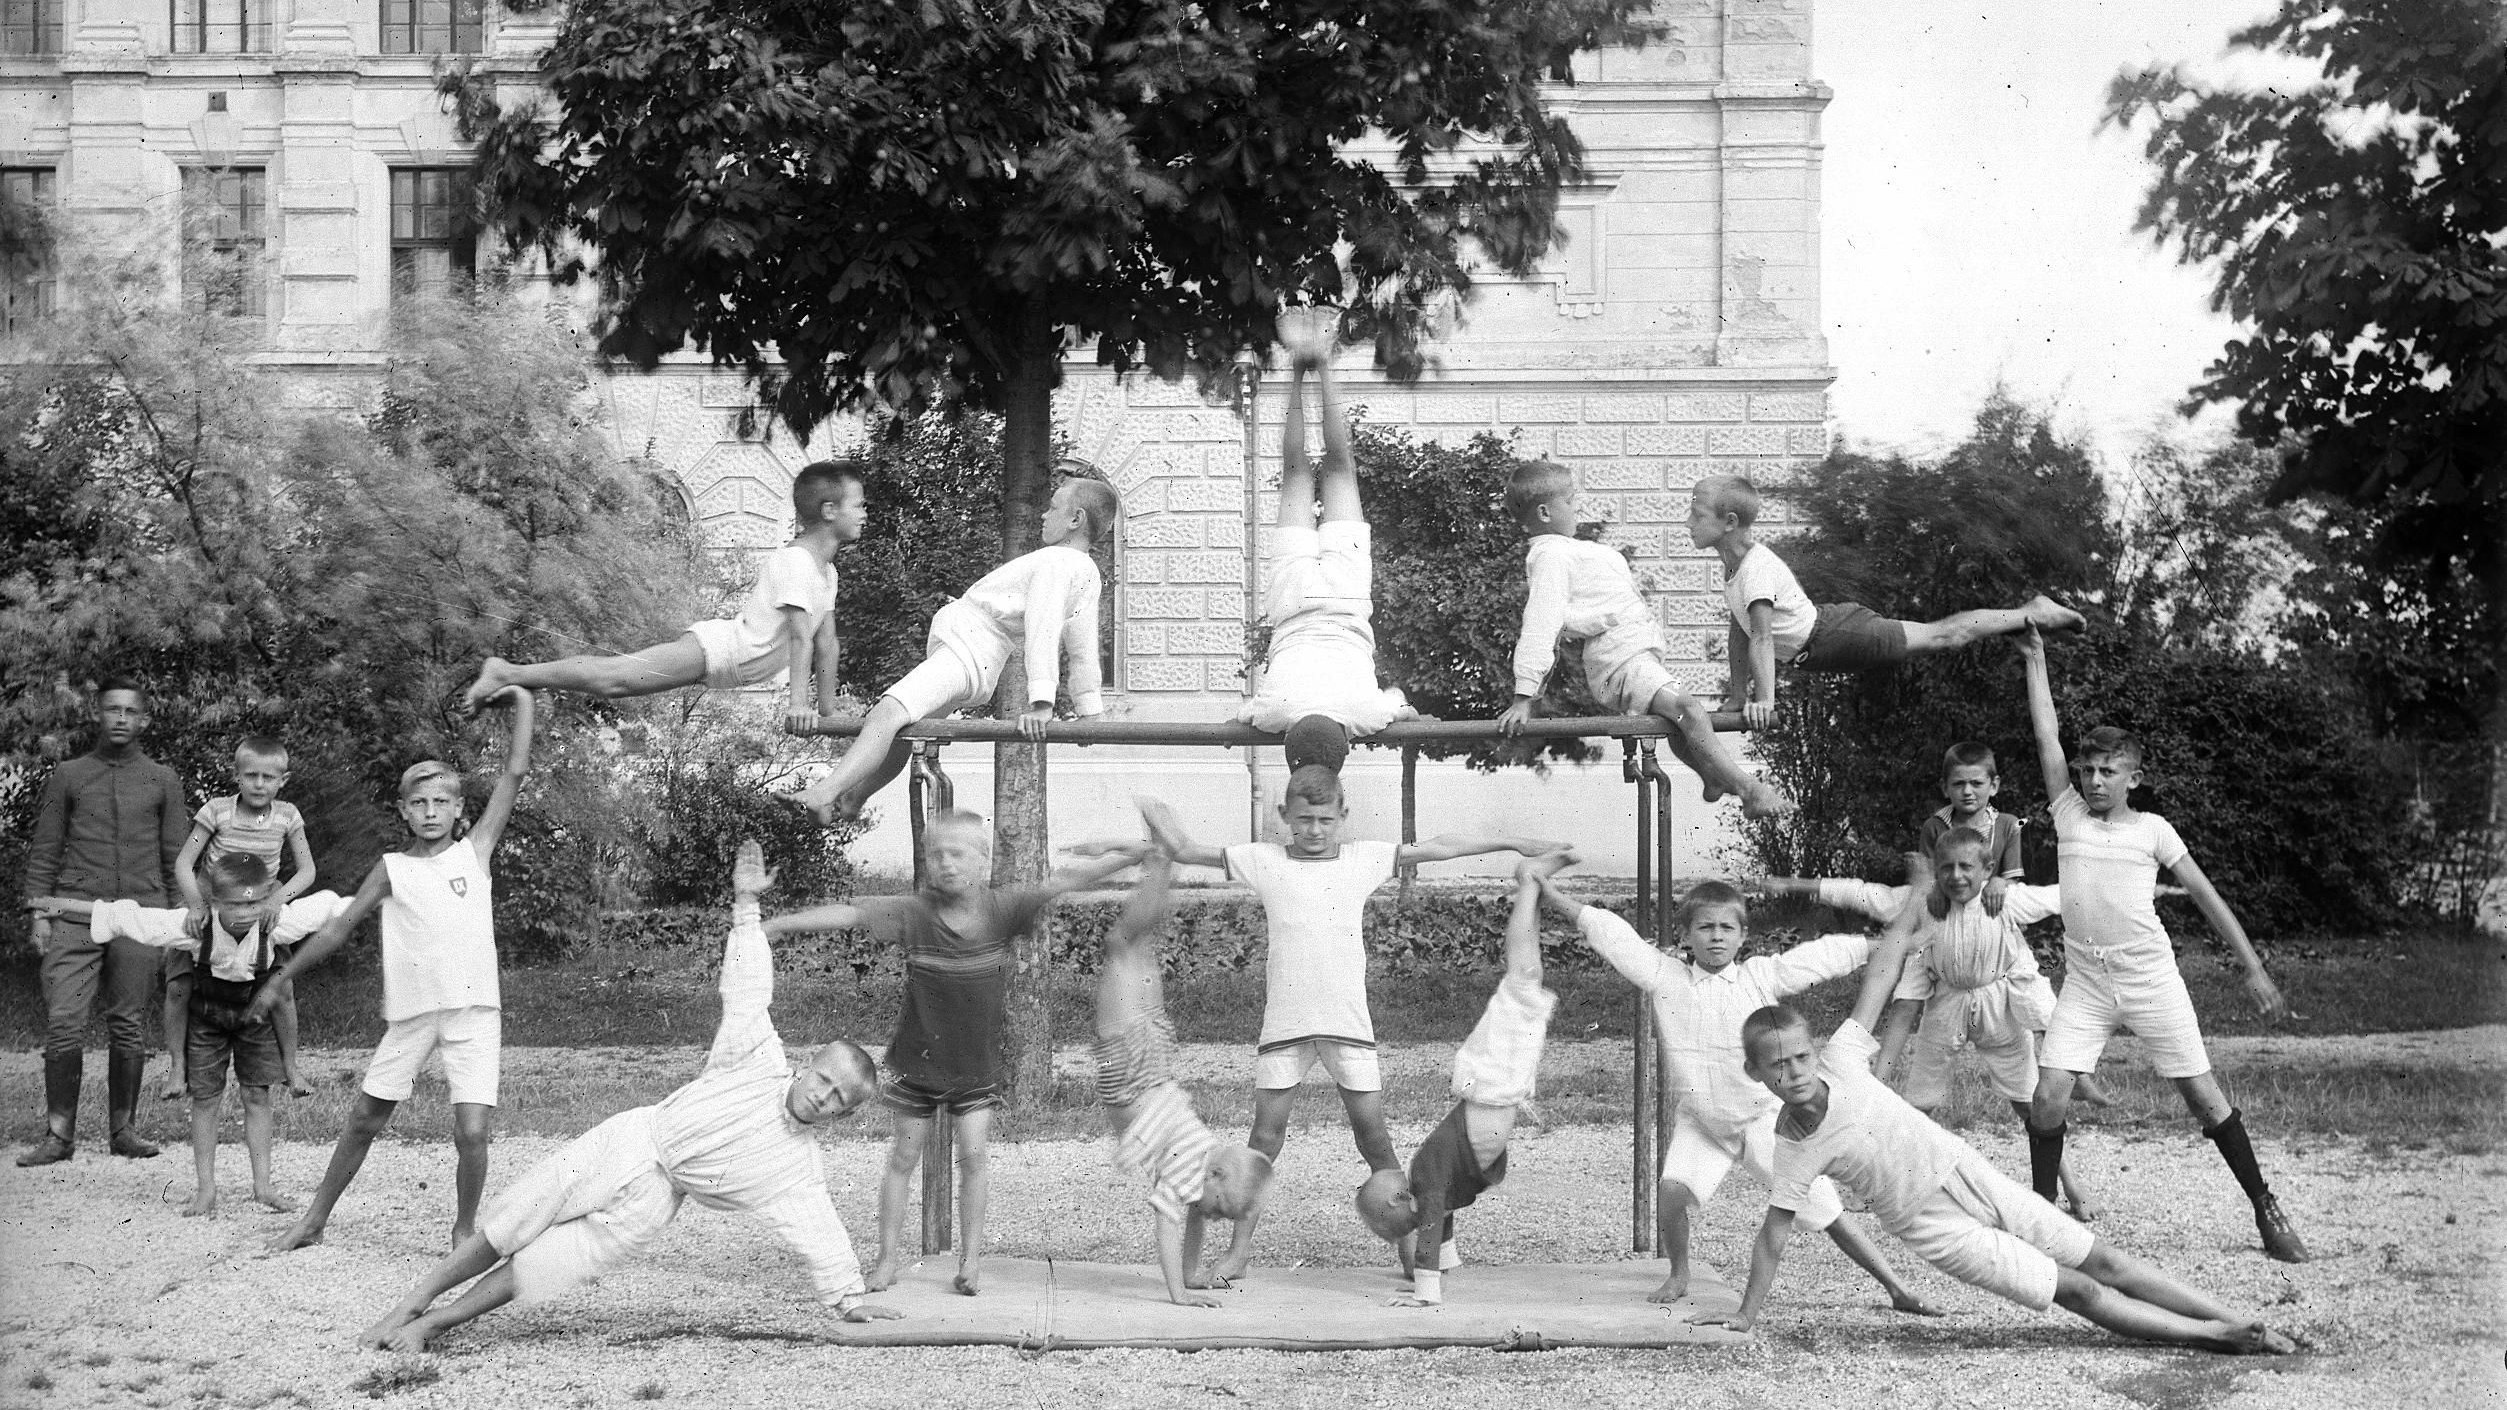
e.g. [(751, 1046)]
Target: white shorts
[(467, 1040), (1629, 687), (1322, 656), (2001, 1019), (1989, 1231), (1497, 1064), (2101, 995), (734, 658), (593, 1205), (1699, 1158), (962, 661), (1352, 1068), (1329, 569)]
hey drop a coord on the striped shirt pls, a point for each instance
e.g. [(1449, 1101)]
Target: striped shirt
[(231, 829), (1168, 1143)]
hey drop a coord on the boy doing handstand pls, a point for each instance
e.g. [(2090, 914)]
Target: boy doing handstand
[(1040, 607), (1723, 1116), (1494, 1072), (252, 821), (238, 941), (2119, 964), (960, 939), (1943, 1199), (1193, 1178), (1774, 623), (742, 1137), (1314, 893), (1318, 678), (1585, 591), (785, 625), (440, 992)]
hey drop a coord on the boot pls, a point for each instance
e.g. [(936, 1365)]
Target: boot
[(124, 1076), (62, 1073)]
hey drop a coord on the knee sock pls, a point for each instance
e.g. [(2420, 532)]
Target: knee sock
[(2230, 1137), (2045, 1162)]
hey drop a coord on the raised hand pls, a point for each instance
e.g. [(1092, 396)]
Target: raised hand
[(749, 876)]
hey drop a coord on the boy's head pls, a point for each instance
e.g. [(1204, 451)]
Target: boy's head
[(238, 883), (1540, 496), (1313, 809), (121, 711), (260, 770), (1316, 739), (1960, 867), (1082, 508), (430, 800), (2108, 766), (1777, 1052), (830, 492), (957, 851), (1234, 1181), (1386, 1205), (836, 1079), (1968, 778), (1714, 924), (1720, 506)]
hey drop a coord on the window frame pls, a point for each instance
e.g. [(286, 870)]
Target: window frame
[(248, 247), (44, 189), (457, 234), (251, 36), (402, 27), (38, 34)]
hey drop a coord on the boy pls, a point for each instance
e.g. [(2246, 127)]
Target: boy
[(1314, 895), (960, 939), (439, 976), (741, 1137), (1969, 782), (785, 625), (240, 940), (1774, 623), (1585, 591), (1318, 678), (1943, 1199), (1723, 1117), (1494, 1071), (250, 822), (2120, 965), (108, 828), (1192, 1178), (1039, 606)]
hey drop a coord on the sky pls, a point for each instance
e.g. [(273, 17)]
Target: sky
[(1976, 225)]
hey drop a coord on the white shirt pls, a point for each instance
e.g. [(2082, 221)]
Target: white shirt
[(439, 933), (791, 576), (1871, 1142), (1967, 948), (239, 958), (1763, 577), (1045, 604), (1585, 591), (2110, 879), (1699, 1014), (1315, 977)]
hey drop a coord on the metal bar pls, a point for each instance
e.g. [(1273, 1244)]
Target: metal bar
[(1642, 1068), (926, 788), (1235, 735), (1666, 938)]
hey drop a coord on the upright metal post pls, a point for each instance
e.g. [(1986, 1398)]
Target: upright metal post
[(928, 788), (1642, 1118), (1666, 938)]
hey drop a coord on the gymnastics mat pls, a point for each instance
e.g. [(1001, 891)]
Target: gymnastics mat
[(1047, 1305)]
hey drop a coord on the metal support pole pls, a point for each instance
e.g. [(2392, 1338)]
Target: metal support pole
[(1643, 1121), (1666, 938), (1409, 871), (927, 788)]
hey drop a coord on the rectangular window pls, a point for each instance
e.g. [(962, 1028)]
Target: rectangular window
[(225, 218), (435, 241), (434, 26), (220, 26), (26, 276), (30, 26)]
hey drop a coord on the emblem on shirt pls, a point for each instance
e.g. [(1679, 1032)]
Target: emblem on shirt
[(461, 885)]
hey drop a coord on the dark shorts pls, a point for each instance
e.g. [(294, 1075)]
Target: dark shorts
[(217, 1033), (1850, 638), (907, 1097)]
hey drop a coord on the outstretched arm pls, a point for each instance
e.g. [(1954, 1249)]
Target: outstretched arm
[(2206, 899), (1447, 846), (1102, 859), (748, 973), (1888, 956), (333, 934), (500, 804), (835, 915), (1167, 831), (1766, 1256), (2041, 720), (1523, 926), (1173, 1235)]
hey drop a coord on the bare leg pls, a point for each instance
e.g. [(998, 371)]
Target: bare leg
[(974, 1148), (2204, 1099), (1693, 741), (485, 1296), (2087, 1087), (2145, 1281), (473, 1122), (1340, 467), (1296, 472), (1675, 1201), (468, 1260), (874, 759), (1270, 1132), (366, 1121), (204, 1157), (1857, 1245), (178, 993), (260, 1122), (283, 1019), (1366, 1126), (675, 663), (1968, 628), (905, 1155), (2053, 1103), (2120, 1312)]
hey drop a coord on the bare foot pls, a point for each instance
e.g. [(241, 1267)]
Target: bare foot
[(968, 1282), (379, 1336), (1765, 800), (882, 1275), (2048, 615), (2092, 1091), (1912, 1305), (1232, 1267), (2082, 1207), (492, 679), (1673, 1289), (2256, 1339), (274, 1201), (304, 1233), (1711, 791), (204, 1203)]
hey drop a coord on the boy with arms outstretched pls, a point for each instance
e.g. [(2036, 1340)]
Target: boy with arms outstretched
[(237, 941), (960, 938), (252, 821), (1040, 606), (785, 625), (440, 992), (741, 1137), (1943, 1199), (1193, 1178), (1314, 893), (1774, 623), (1319, 686), (2119, 964), (1494, 1072), (1723, 1117), (1584, 591)]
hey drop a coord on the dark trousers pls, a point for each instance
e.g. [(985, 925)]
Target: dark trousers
[(75, 968)]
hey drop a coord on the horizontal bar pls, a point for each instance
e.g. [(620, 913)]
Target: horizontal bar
[(1232, 734)]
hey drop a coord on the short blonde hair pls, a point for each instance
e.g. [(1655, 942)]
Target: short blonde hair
[(1244, 1174), (1729, 494), (957, 820), (1386, 1206), (427, 771), (1097, 503), (1535, 483)]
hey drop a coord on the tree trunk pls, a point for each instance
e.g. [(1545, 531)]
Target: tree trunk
[(1021, 849)]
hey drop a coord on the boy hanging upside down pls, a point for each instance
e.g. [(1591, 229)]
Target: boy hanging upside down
[(742, 1136)]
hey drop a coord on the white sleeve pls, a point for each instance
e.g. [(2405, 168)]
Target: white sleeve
[(1544, 616), (2164, 843), (1815, 962), (1750, 583), (807, 1221), (2026, 905), (129, 920), (1079, 645), (305, 915), (1619, 945), (1048, 607), (1869, 897), (1915, 981), (748, 989)]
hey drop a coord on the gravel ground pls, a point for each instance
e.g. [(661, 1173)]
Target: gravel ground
[(112, 1299)]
